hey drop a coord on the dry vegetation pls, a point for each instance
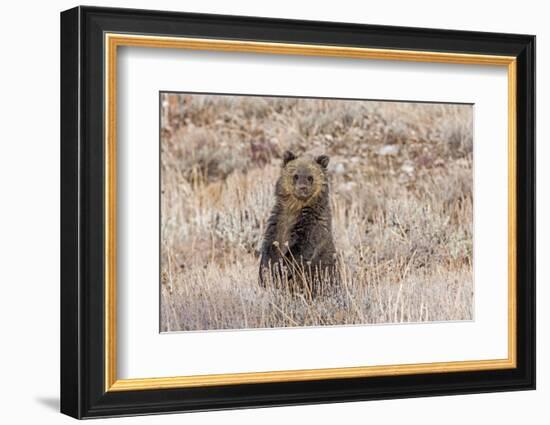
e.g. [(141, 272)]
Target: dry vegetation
[(401, 182)]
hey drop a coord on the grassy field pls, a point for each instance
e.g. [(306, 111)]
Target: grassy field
[(401, 197)]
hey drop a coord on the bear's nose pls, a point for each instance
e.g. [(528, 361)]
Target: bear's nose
[(302, 181)]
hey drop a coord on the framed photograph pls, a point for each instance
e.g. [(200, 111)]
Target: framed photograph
[(260, 212)]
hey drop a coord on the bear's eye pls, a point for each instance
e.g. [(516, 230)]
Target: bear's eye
[(295, 178), (310, 179)]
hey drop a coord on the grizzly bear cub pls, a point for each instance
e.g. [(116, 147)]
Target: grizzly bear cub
[(298, 249)]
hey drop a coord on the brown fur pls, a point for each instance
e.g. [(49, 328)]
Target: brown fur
[(298, 240)]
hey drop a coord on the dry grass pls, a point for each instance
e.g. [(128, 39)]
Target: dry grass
[(401, 181)]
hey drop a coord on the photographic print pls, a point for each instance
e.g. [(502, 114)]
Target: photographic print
[(357, 201), (289, 212)]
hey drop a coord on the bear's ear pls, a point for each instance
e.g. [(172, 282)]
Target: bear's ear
[(287, 157), (322, 160)]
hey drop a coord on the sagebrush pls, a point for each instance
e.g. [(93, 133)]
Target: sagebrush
[(401, 200)]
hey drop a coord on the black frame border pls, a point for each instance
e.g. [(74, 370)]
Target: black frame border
[(82, 204)]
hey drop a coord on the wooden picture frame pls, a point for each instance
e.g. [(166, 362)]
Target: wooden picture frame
[(90, 39)]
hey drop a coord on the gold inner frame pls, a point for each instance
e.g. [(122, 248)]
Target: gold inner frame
[(113, 41)]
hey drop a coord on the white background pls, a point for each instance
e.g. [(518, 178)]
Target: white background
[(193, 353), (29, 229)]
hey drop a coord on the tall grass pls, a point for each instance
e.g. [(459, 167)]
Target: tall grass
[(401, 198)]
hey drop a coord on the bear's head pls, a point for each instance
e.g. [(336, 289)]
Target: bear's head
[(304, 178)]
